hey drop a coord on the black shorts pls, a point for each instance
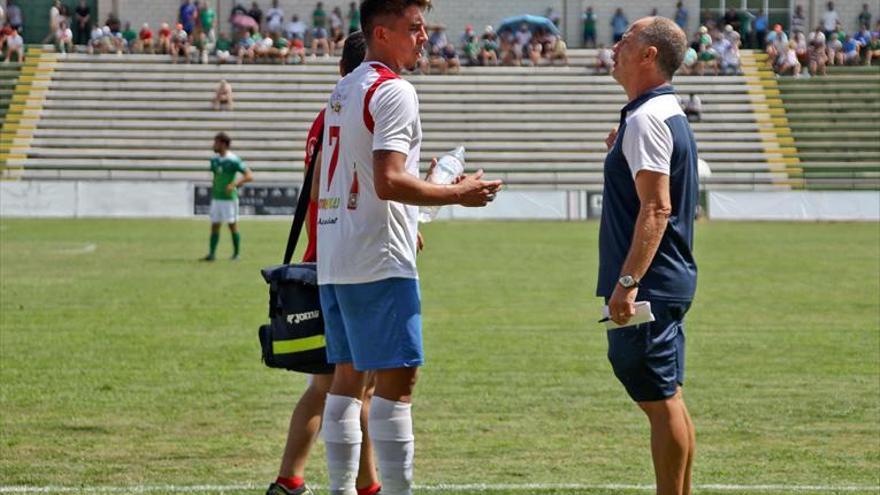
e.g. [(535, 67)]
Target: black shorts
[(648, 359)]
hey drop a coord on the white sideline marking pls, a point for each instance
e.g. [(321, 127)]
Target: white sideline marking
[(462, 488), (84, 249)]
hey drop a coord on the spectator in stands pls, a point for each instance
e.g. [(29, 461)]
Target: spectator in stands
[(589, 22), (14, 45), (534, 50), (129, 36), (731, 18), (732, 35), (801, 48), (788, 62), (82, 18), (164, 41), (818, 35), (720, 47), (604, 60), (762, 22), (777, 40), (54, 19), (619, 24), (707, 18), (872, 51), (113, 23), (256, 14), (319, 31), (295, 29), (96, 41), (180, 44), (337, 30), (280, 48), (522, 38), (14, 17), (207, 17), (681, 16), (354, 18), (450, 57), (689, 62), (850, 51), (223, 96), (144, 42), (64, 38), (297, 53), (818, 57), (864, 18), (188, 16), (2, 20), (489, 47), (830, 20), (199, 46), (5, 32), (263, 46), (246, 44), (729, 57), (275, 18), (223, 49), (692, 108), (747, 28), (470, 46), (834, 49), (555, 49), (708, 56), (798, 21)]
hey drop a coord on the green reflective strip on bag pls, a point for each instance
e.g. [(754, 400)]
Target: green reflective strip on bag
[(298, 345)]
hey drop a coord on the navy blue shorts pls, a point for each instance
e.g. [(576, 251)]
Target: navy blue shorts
[(648, 359), (375, 325)]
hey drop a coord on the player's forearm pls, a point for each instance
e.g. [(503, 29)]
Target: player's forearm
[(649, 229), (405, 188), (248, 177)]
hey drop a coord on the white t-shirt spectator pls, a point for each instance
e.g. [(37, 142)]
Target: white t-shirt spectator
[(295, 29), (63, 35), (14, 42), (362, 238), (817, 37), (830, 20), (275, 19), (790, 57)]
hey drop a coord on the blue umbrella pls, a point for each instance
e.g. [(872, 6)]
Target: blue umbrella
[(535, 22)]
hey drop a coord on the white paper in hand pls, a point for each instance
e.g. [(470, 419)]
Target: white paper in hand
[(643, 315)]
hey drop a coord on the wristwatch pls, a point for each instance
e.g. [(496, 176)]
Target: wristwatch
[(628, 282)]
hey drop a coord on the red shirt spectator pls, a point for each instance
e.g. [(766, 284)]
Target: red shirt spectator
[(311, 254), (146, 34), (165, 32)]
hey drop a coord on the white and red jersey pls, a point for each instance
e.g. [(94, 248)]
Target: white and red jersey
[(362, 238)]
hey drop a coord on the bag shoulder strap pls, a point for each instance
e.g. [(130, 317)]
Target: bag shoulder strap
[(302, 205)]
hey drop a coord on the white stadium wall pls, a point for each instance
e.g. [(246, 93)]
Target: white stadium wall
[(176, 199)]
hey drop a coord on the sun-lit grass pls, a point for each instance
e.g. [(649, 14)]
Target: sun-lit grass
[(131, 363)]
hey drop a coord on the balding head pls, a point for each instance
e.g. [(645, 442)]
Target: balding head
[(669, 40)]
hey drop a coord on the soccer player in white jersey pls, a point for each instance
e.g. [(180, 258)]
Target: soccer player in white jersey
[(370, 191)]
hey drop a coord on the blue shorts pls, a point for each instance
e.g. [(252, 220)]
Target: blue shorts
[(648, 359), (376, 325)]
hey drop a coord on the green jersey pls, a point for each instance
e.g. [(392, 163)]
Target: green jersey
[(207, 17), (129, 36), (319, 18), (223, 44), (224, 169), (354, 20)]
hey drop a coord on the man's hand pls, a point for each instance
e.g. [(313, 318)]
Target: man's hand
[(621, 306), (420, 242), (612, 136), (230, 187), (473, 191), (431, 169)]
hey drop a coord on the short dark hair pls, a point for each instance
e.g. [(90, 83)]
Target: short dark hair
[(670, 42), (372, 10), (223, 138), (353, 52)]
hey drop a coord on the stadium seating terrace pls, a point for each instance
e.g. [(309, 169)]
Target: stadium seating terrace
[(140, 117)]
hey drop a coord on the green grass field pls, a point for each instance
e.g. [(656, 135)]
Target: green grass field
[(124, 362)]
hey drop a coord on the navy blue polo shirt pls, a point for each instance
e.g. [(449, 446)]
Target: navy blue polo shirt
[(653, 134)]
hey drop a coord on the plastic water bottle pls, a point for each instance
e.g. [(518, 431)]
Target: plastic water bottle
[(449, 167)]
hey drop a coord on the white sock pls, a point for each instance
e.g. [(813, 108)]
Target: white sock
[(341, 429), (391, 430)]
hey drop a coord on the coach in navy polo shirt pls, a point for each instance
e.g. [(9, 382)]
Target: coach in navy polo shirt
[(646, 238)]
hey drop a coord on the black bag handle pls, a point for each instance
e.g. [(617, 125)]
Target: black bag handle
[(302, 205)]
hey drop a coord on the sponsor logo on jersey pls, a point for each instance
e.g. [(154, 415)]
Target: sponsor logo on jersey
[(336, 103), (329, 203), (328, 221), (297, 318)]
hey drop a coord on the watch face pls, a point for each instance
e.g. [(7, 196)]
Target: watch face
[(627, 281)]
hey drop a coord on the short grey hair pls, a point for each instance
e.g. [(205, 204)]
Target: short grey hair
[(670, 41)]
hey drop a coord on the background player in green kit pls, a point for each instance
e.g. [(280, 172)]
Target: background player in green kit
[(224, 193)]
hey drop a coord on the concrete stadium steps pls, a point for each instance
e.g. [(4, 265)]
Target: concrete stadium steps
[(834, 121), (8, 78), (142, 117)]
